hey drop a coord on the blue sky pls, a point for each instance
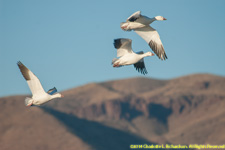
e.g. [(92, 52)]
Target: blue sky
[(68, 43)]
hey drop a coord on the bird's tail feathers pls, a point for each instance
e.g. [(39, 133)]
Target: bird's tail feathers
[(123, 26), (114, 60), (28, 101), (116, 63)]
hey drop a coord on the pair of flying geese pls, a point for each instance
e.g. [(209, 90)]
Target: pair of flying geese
[(125, 54), (140, 24)]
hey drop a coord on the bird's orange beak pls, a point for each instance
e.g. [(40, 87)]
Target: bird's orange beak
[(164, 19), (62, 95)]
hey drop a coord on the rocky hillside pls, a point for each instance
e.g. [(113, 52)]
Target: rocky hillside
[(41, 128), (176, 111), (185, 110)]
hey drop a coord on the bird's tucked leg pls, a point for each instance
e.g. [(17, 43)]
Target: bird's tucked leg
[(124, 26), (116, 65)]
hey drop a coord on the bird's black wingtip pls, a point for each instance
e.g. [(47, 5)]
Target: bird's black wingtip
[(19, 63), (117, 43)]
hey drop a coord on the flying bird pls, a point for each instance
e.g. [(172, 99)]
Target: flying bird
[(126, 56), (39, 96), (141, 25)]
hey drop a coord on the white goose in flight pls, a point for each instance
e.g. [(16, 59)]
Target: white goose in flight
[(140, 24), (39, 95), (128, 57)]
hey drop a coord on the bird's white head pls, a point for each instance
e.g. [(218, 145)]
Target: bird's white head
[(160, 18), (149, 54)]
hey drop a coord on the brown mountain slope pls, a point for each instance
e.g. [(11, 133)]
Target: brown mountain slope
[(161, 111), (134, 85), (185, 110), (42, 128), (32, 128), (197, 102)]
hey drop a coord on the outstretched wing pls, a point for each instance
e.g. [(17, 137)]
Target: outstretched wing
[(123, 46), (140, 65), (134, 16), (32, 81), (152, 37), (138, 18), (52, 91)]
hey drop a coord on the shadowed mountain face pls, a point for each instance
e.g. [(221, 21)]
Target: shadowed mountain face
[(96, 134), (185, 110), (42, 128)]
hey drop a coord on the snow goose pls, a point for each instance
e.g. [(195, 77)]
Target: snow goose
[(128, 57), (39, 95), (140, 24)]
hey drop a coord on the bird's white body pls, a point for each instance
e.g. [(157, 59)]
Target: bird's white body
[(39, 95), (126, 56), (140, 24), (39, 100), (130, 59), (128, 26)]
